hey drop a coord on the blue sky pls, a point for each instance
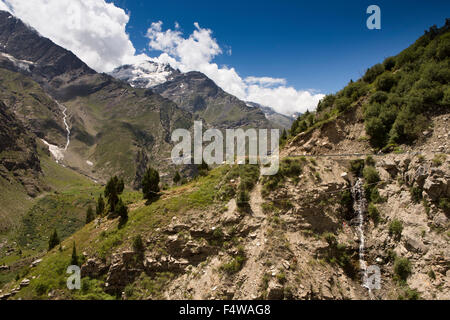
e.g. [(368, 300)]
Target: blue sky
[(283, 54), (317, 45)]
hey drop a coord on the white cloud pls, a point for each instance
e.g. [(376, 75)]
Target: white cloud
[(265, 81), (93, 30), (196, 53), (96, 32)]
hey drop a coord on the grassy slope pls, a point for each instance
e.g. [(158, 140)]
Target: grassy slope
[(397, 96), (199, 194)]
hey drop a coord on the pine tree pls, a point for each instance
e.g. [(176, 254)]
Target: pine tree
[(89, 215), (122, 212), (53, 241), (283, 135), (74, 260), (150, 184), (100, 209), (113, 189), (177, 177)]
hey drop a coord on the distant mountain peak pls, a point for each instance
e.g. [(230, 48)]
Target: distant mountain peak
[(145, 74)]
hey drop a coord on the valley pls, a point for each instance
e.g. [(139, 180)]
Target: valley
[(362, 190)]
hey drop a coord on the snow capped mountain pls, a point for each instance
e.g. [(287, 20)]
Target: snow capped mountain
[(146, 74)]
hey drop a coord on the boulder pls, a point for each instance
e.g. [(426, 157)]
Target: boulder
[(25, 283), (435, 188), (275, 291), (93, 268)]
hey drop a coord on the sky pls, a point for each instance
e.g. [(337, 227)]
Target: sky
[(285, 54)]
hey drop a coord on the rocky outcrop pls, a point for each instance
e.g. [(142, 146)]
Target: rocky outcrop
[(18, 153)]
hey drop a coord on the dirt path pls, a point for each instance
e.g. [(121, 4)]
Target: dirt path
[(252, 273)]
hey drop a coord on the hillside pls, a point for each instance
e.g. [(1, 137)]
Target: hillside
[(348, 196)]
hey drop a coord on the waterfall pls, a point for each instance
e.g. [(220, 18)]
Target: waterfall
[(64, 111), (360, 205)]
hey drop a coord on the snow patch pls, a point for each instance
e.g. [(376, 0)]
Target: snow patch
[(89, 163), (57, 152), (21, 64)]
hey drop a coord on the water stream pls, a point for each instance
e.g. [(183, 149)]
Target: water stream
[(360, 205)]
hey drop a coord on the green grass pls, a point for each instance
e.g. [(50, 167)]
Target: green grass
[(199, 194)]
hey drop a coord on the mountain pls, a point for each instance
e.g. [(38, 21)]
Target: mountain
[(280, 120), (146, 74), (197, 94), (79, 112), (362, 195)]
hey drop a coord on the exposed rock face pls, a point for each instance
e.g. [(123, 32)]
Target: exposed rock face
[(196, 93), (48, 63), (18, 152)]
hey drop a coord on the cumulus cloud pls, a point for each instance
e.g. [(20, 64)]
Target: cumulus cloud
[(96, 32), (197, 51), (93, 30)]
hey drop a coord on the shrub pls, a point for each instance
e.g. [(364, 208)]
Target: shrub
[(374, 213), (176, 177), (373, 73), (444, 204), (409, 294), (370, 161), (371, 175), (357, 166), (343, 103), (376, 129), (138, 244), (416, 194), (379, 97), (385, 82), (402, 268), (375, 196), (389, 63), (396, 228)]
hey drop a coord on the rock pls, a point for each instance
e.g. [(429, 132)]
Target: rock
[(2, 268), (35, 263), (93, 268), (414, 245), (390, 166), (344, 175), (435, 188), (440, 220), (275, 291), (25, 283)]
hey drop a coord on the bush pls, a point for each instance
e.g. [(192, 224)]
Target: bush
[(402, 268), (374, 214), (371, 175), (376, 129), (370, 161), (138, 244), (357, 166), (389, 63), (385, 82), (444, 204), (396, 228), (416, 194), (373, 73), (343, 103)]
